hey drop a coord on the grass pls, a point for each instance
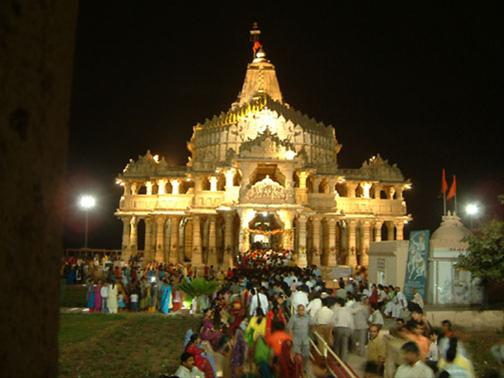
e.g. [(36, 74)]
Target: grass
[(123, 345), (73, 295), (478, 345)]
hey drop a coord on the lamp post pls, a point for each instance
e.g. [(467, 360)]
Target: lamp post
[(472, 210), (86, 203)]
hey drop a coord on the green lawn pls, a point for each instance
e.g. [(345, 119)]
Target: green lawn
[(73, 295), (479, 344), (123, 345)]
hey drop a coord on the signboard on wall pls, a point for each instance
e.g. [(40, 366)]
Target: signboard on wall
[(416, 266)]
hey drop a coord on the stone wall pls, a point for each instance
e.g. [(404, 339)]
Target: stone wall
[(36, 62)]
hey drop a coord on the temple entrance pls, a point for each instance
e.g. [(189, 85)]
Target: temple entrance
[(265, 232)]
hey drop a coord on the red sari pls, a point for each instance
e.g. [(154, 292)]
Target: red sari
[(200, 361), (288, 366)]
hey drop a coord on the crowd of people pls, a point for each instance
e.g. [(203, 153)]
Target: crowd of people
[(266, 309)]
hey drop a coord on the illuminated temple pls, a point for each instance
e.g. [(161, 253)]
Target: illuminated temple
[(261, 174)]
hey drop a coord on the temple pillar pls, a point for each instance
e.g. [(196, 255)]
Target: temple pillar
[(288, 235), (198, 184), (229, 175), (126, 188), (174, 239), (351, 255), (365, 242), (316, 240), (228, 239), (301, 230), (390, 192), (134, 188), (133, 239), (148, 239), (303, 176), (213, 183), (148, 187), (377, 191), (126, 250), (366, 187), (399, 191), (378, 228), (196, 258), (316, 184), (331, 251), (212, 242), (399, 225), (175, 183), (160, 226), (351, 186), (162, 186), (390, 230)]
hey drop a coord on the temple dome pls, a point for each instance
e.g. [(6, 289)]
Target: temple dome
[(450, 231)]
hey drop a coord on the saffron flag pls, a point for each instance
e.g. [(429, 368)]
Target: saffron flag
[(257, 46), (453, 189), (444, 183)]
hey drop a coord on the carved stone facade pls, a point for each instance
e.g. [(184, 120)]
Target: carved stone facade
[(262, 172)]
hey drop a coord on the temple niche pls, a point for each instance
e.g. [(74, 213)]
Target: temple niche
[(261, 174)]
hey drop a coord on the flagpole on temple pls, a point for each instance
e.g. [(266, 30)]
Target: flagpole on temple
[(444, 188), (444, 203)]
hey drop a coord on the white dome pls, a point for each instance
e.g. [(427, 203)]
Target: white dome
[(451, 229)]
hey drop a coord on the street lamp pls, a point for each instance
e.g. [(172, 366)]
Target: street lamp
[(472, 210), (86, 203)]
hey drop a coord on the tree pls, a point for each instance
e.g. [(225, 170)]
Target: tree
[(485, 257)]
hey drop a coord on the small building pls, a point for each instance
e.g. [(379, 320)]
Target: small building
[(387, 262), (446, 283)]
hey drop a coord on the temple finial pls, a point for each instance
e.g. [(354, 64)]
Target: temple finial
[(255, 33)]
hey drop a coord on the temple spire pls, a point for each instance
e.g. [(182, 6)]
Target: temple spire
[(261, 76)]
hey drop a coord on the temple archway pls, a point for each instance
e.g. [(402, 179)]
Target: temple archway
[(266, 231)]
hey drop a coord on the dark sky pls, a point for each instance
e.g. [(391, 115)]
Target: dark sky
[(423, 87)]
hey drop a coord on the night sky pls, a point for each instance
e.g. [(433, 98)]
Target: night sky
[(423, 87)]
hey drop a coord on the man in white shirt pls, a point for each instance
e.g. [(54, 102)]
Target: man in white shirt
[(187, 368), (299, 297), (258, 297), (343, 328), (104, 291), (314, 305), (413, 367), (400, 303)]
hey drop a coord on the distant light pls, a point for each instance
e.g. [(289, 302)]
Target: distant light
[(472, 209), (265, 214), (87, 202), (156, 158)]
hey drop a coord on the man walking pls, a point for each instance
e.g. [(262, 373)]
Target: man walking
[(299, 327), (343, 328)]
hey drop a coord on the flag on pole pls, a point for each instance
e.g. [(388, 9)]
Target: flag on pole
[(444, 183), (257, 46), (453, 189)]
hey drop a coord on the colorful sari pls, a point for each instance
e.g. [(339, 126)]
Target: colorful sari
[(166, 298)]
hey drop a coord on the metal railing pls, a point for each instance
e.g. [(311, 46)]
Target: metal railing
[(324, 350)]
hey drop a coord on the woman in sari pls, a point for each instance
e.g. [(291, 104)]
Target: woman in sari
[(97, 297), (238, 354), (166, 298), (238, 314), (90, 297), (208, 330), (112, 298), (290, 364), (199, 359), (275, 314)]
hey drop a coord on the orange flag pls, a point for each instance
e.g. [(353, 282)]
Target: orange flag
[(257, 46), (444, 183), (453, 189)]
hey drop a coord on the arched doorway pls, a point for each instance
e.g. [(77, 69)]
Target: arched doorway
[(266, 231)]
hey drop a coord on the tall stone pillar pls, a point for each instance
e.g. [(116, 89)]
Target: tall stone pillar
[(301, 230), (196, 258), (399, 230), (162, 186), (365, 242), (390, 193), (229, 174), (213, 183), (175, 183), (160, 226), (133, 236), (288, 235), (174, 239), (378, 227), (390, 230), (212, 243), (316, 240), (148, 188), (366, 187), (126, 249), (351, 186), (377, 191), (352, 253), (331, 250), (228, 239), (148, 239)]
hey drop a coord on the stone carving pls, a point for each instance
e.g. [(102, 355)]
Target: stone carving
[(265, 144), (150, 165), (267, 191), (380, 169)]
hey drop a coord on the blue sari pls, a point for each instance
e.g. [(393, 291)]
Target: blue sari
[(90, 297), (166, 294)]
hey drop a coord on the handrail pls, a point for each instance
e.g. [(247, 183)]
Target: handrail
[(343, 364)]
